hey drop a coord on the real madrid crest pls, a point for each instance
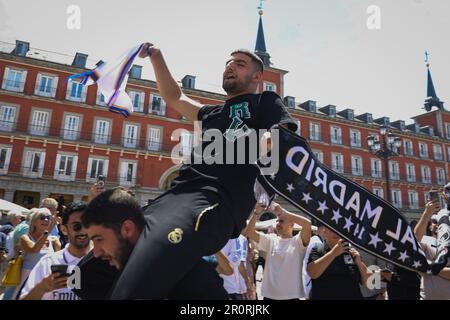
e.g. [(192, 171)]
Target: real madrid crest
[(175, 236)]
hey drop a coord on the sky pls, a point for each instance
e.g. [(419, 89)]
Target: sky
[(330, 53)]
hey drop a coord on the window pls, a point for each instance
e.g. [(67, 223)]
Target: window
[(408, 147), (396, 198), (314, 131), (127, 174), (5, 157), (71, 127), (269, 86), (355, 138), (65, 167), (440, 175), (33, 164), (100, 99), (448, 154), (447, 130), (96, 167), (137, 98), (379, 192), (357, 167), (299, 127), (40, 123), (336, 135), (7, 118), (410, 172), (337, 162), (186, 143), (423, 147), (101, 134), (394, 170), (76, 91), (437, 151), (157, 105), (426, 174), (46, 85), (14, 80), (319, 155), (130, 136), (375, 168), (154, 138), (413, 198)]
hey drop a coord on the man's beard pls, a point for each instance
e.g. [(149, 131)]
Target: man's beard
[(123, 252), (77, 244), (235, 85)]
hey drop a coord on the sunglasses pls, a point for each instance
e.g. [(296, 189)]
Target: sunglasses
[(45, 217), (76, 226)]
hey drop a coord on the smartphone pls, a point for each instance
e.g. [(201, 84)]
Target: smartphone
[(101, 180), (59, 268), (433, 196)]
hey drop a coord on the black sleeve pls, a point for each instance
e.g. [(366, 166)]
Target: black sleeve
[(204, 111), (272, 111), (316, 253)]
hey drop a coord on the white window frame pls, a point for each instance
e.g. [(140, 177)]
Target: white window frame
[(67, 133), (141, 94), (440, 176), (319, 155), (357, 171), (102, 138), (425, 178), (411, 150), (40, 129), (425, 153), (338, 167), (447, 130), (373, 168), (28, 161), (6, 85), (410, 177), (394, 174), (186, 146), (7, 124), (269, 86), (83, 92), (314, 135), (89, 167), (336, 139), (122, 178), (396, 200), (154, 145), (437, 152), (45, 93), (98, 99), (130, 142), (8, 149), (356, 143), (61, 175), (378, 191), (299, 127), (161, 112), (413, 200)]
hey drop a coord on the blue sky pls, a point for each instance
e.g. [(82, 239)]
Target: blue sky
[(331, 55)]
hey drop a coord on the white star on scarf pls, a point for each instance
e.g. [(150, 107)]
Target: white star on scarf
[(374, 239), (417, 264), (348, 224), (272, 176), (306, 197), (403, 256), (336, 216), (322, 206), (290, 187), (389, 248)]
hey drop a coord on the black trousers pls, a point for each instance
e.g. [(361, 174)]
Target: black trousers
[(183, 225)]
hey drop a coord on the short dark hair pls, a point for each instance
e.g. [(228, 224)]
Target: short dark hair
[(111, 208), (256, 60), (72, 208)]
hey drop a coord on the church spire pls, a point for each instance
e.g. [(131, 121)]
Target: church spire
[(432, 98), (260, 48)]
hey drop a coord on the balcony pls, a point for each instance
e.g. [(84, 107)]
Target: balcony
[(45, 91), (355, 143), (411, 177), (12, 85), (336, 139), (7, 126)]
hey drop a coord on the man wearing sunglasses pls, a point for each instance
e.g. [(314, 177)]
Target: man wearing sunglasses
[(42, 284)]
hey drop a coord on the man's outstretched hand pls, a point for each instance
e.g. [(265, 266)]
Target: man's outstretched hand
[(146, 50)]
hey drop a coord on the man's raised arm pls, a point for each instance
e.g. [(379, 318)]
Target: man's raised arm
[(167, 86)]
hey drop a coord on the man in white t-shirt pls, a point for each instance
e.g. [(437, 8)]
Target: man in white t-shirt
[(282, 278), (432, 287), (238, 283), (42, 284)]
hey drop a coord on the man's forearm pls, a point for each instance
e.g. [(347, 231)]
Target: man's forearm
[(364, 272), (316, 268), (36, 293), (445, 273)]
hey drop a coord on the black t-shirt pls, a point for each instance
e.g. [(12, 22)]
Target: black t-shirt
[(340, 281), (233, 122)]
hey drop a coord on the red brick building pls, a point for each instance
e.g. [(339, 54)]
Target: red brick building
[(56, 137)]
